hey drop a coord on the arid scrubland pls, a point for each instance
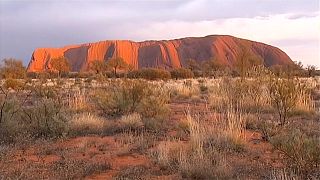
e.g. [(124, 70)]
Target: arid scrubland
[(116, 128)]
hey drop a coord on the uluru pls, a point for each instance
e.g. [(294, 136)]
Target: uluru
[(166, 54)]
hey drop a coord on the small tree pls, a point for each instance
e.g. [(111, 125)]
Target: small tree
[(311, 70), (98, 66), (283, 94), (13, 68), (116, 64), (60, 64), (245, 61)]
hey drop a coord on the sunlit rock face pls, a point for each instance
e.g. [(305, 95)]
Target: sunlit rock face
[(165, 54)]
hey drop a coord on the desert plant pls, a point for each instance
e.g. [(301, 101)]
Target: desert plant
[(45, 118), (133, 172), (14, 84), (135, 141), (11, 105), (243, 94), (129, 96), (150, 74), (181, 73), (86, 123), (185, 90), (77, 169), (131, 122), (311, 70), (98, 66), (283, 95), (155, 103), (120, 97), (60, 64), (246, 60), (117, 63), (302, 152), (13, 68), (204, 163)]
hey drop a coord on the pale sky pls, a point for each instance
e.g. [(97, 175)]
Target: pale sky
[(291, 25)]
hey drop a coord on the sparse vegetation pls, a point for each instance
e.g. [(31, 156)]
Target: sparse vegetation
[(302, 152), (206, 128)]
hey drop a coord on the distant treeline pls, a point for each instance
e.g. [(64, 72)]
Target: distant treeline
[(118, 68)]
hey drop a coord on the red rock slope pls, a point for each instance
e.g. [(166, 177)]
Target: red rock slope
[(163, 54)]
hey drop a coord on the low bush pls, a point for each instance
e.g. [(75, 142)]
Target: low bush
[(14, 84), (289, 96), (135, 96), (302, 152), (181, 73), (129, 96), (46, 118), (150, 74), (120, 97), (283, 96)]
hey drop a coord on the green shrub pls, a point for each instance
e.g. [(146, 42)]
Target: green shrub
[(129, 96), (283, 95), (302, 152), (9, 119), (120, 97), (150, 73), (45, 118), (181, 73)]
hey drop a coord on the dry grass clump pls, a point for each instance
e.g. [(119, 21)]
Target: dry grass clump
[(77, 169), (202, 156), (224, 133), (135, 142), (134, 173), (243, 94), (201, 163), (283, 174), (187, 89), (305, 103), (78, 100), (131, 122), (86, 123)]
